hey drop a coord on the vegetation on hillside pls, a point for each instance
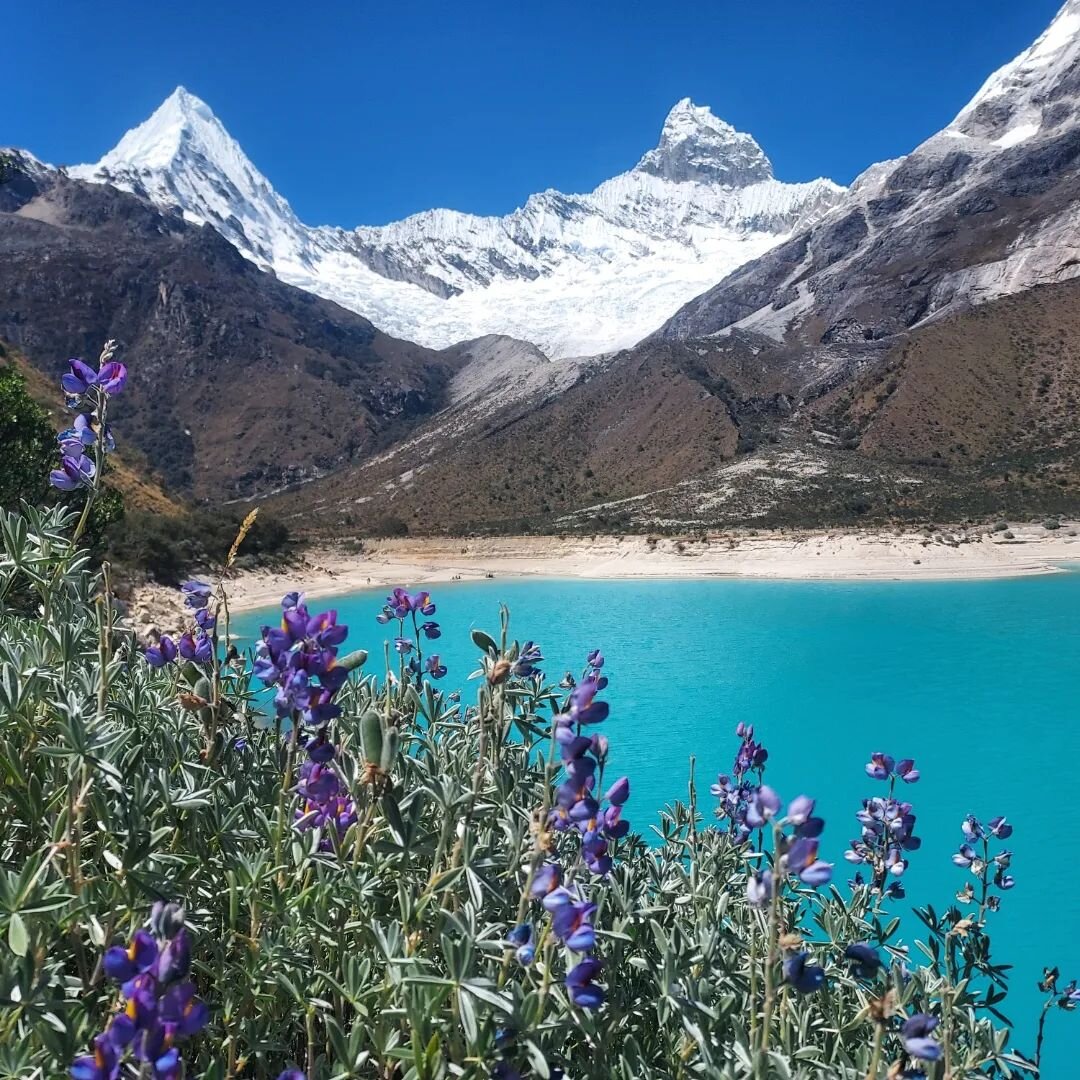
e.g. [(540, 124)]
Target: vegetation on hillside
[(134, 524)]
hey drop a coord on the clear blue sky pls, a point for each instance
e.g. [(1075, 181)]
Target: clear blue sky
[(363, 112)]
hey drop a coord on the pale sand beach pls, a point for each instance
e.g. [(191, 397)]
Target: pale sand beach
[(839, 554)]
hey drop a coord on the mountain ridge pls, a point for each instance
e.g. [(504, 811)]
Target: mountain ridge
[(573, 273)]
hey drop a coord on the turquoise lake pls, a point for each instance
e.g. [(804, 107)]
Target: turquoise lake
[(979, 681)]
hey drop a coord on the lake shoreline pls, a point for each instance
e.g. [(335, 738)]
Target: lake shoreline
[(948, 554)]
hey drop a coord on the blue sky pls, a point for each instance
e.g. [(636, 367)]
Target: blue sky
[(363, 112)]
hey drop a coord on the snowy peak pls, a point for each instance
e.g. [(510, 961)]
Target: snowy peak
[(1034, 93), (696, 145), (575, 274), (182, 123), (182, 158)]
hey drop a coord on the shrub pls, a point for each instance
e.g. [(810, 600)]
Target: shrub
[(1052, 524), (171, 547), (1001, 526), (27, 442)]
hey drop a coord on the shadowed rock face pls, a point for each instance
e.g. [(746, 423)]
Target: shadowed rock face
[(238, 383)]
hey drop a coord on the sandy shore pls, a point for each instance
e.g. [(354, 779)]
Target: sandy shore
[(843, 555)]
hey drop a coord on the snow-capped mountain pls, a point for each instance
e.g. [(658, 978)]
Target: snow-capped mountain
[(575, 274), (987, 207)]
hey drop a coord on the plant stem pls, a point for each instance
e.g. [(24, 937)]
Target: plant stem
[(1042, 1034), (875, 1060), (770, 962)]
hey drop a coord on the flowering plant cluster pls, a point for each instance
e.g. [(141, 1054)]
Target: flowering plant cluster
[(736, 792), (160, 1008), (989, 870), (596, 822), (85, 387), (404, 607), (888, 830), (196, 645)]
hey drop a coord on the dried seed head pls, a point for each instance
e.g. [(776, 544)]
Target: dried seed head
[(499, 672), (882, 1008)]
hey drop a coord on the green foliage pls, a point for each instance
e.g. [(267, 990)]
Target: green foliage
[(171, 547), (383, 955), (27, 442)]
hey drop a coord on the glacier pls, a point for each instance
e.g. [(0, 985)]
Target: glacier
[(575, 275)]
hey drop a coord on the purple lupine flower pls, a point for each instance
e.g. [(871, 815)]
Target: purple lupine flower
[(79, 379), (89, 431), (580, 986), (160, 1003), (196, 594), (433, 668), (521, 937), (122, 964), (525, 665), (102, 1064), (546, 879), (570, 919), (801, 859), (751, 755), (73, 473), (880, 766), (205, 621), (759, 889), (965, 856), (110, 378), (584, 709), (84, 432), (431, 630), (865, 960), (324, 802), (905, 769), (179, 1009), (292, 1074), (887, 832), (403, 646), (915, 1035), (174, 957), (762, 807), (800, 810), (972, 828), (204, 648), (164, 652), (1000, 828), (803, 977)]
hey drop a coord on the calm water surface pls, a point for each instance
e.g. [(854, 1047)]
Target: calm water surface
[(978, 681)]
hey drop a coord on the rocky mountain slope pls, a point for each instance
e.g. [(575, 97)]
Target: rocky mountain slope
[(574, 274), (972, 415), (914, 352), (987, 207), (239, 383)]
